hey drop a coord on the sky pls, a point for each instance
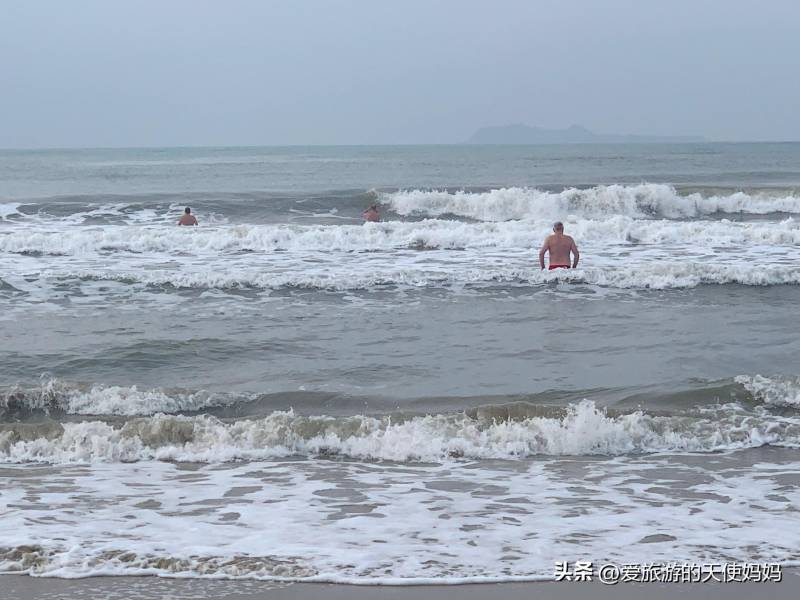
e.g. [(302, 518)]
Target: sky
[(103, 73)]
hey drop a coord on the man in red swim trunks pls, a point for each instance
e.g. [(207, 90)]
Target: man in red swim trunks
[(559, 246)]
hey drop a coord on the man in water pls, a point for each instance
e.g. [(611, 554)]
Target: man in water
[(188, 218), (371, 214), (559, 246)]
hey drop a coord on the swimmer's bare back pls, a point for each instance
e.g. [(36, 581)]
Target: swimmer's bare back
[(371, 215), (559, 246), (187, 220)]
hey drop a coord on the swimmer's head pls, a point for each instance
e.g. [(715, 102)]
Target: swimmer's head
[(558, 227), (187, 210)]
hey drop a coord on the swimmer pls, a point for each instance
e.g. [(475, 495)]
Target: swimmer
[(559, 246), (187, 218), (371, 214)]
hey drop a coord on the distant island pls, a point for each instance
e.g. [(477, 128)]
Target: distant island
[(576, 134)]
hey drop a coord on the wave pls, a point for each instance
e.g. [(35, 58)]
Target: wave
[(584, 430), (66, 213), (8, 209), (655, 276), (55, 396), (648, 200), (58, 398), (643, 201), (389, 236), (772, 391), (212, 207), (494, 431)]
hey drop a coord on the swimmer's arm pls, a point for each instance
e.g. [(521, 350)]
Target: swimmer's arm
[(545, 248), (577, 255)]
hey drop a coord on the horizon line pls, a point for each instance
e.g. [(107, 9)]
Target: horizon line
[(364, 145)]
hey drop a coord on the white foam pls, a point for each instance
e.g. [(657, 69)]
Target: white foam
[(389, 236), (638, 201), (78, 215), (618, 251), (112, 400), (656, 276), (773, 391), (348, 521), (8, 208), (661, 276), (585, 430)]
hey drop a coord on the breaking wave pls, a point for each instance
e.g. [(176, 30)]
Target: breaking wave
[(647, 200), (488, 432), (55, 397), (657, 276), (8, 209), (583, 430), (772, 391), (389, 236)]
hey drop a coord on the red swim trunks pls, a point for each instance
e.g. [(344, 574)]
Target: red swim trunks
[(558, 267)]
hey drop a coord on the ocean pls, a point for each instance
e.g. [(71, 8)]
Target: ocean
[(287, 393)]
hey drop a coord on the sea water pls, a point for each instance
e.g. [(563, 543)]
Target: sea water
[(286, 392)]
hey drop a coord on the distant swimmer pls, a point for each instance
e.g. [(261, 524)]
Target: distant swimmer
[(559, 246), (188, 218), (371, 214)]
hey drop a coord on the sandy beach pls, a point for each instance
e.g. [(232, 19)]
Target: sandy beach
[(152, 588)]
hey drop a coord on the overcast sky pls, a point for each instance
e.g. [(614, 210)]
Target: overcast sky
[(197, 72)]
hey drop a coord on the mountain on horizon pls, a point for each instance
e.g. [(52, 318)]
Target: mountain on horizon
[(575, 134)]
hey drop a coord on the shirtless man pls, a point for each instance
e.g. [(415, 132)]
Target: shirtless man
[(559, 246), (371, 214), (188, 218)]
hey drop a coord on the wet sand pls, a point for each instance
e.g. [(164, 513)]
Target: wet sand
[(16, 587)]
